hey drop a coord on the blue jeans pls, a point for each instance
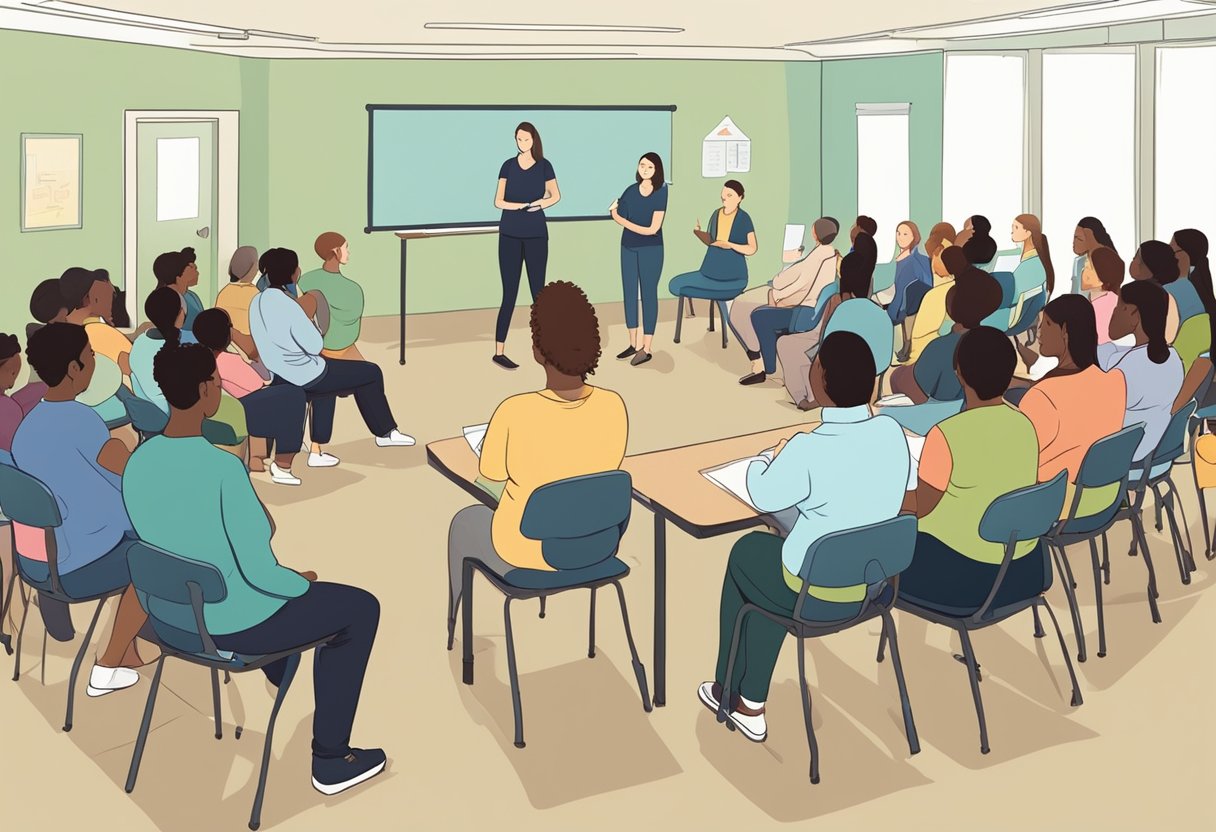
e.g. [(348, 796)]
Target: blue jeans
[(770, 323), (641, 268)]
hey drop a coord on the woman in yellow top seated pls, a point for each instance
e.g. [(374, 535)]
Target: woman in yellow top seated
[(941, 237), (568, 429), (238, 294)]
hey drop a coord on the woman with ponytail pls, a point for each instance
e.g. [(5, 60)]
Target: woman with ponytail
[(1090, 235), (1190, 246), (1156, 261), (1035, 268), (1151, 368)]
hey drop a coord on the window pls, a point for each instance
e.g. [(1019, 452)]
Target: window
[(1186, 125), (882, 170), (1089, 155), (983, 145), (177, 179)]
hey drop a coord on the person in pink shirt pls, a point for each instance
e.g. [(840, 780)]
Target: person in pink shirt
[(274, 413), (13, 409), (1102, 277)]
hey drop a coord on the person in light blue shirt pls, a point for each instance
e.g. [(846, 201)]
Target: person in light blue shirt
[(178, 271), (850, 471)]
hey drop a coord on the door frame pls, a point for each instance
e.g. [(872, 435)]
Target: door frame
[(227, 153)]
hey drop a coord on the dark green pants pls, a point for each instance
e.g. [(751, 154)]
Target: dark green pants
[(753, 575)]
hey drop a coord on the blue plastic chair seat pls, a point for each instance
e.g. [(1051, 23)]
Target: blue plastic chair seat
[(564, 578)]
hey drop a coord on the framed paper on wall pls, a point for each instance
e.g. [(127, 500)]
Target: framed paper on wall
[(52, 167)]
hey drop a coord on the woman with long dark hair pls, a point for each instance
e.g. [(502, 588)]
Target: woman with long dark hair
[(1090, 235), (1035, 269), (1191, 249), (639, 212), (527, 186), (1156, 261)]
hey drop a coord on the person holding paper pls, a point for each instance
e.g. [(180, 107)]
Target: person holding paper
[(796, 285), (639, 212), (731, 239), (527, 186), (850, 471)]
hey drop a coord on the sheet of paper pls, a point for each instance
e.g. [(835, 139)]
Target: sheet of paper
[(793, 237), (894, 400), (475, 435), (1007, 262), (713, 159), (739, 157), (1042, 367), (732, 477), (916, 444)]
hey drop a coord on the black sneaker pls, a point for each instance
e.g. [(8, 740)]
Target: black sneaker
[(629, 353), (754, 378), (505, 363), (334, 775)]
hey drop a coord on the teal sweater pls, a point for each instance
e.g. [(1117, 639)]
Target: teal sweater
[(190, 498)]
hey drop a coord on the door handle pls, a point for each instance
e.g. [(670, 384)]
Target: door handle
[(204, 232)]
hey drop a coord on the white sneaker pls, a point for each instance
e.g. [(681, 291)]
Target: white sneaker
[(322, 460), (755, 728), (396, 439), (281, 477), (103, 680)]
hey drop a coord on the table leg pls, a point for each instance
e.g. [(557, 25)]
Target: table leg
[(660, 611)]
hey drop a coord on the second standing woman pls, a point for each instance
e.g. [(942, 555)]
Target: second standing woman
[(639, 212), (527, 186)]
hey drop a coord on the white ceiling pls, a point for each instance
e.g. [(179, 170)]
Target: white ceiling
[(753, 29)]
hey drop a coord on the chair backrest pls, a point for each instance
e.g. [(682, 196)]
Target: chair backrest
[(1029, 306), (867, 319), (146, 417), (26, 500), (806, 318), (172, 590), (579, 521), (866, 555), (1025, 514), (1173, 441), (1005, 280), (884, 277), (1108, 462), (1193, 339)]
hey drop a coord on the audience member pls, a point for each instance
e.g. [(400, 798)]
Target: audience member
[(343, 295), (14, 408), (178, 271)]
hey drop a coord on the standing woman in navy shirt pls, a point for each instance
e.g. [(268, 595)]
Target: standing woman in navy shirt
[(527, 186), (640, 212)]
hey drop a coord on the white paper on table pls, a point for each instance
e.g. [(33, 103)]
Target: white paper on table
[(1044, 365), (894, 400), (793, 237), (732, 477), (1007, 262), (916, 446), (475, 435)]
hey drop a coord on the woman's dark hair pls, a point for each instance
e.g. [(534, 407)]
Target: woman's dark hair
[(980, 249), (1095, 227), (1195, 243), (658, 180), (169, 266), (736, 186), (180, 370), (279, 265), (954, 258), (565, 329), (162, 308), (47, 301), (985, 361), (865, 248), (1160, 261), (1039, 240), (53, 348), (1108, 266), (848, 368), (538, 149), (1153, 304), (980, 226), (856, 275), (9, 346), (213, 329), (974, 296), (1076, 315), (866, 224)]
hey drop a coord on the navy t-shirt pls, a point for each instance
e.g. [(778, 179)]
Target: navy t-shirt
[(934, 370), (640, 210), (524, 186)]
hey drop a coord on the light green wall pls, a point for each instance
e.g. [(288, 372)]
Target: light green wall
[(803, 82), (915, 79), (318, 164)]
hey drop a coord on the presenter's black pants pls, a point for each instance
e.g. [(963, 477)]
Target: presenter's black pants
[(513, 253)]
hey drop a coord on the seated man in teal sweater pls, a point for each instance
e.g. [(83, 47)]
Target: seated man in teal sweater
[(192, 499)]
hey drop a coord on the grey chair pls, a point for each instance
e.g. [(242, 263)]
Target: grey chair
[(579, 522), (1017, 517), (871, 555), (174, 592)]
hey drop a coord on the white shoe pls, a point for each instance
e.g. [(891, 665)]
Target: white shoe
[(105, 680), (281, 477), (322, 460), (396, 439), (755, 728)]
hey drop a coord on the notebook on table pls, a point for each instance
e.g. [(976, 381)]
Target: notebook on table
[(732, 477), (475, 435)]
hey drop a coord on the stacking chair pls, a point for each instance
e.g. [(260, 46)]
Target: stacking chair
[(1026, 313), (884, 278), (147, 419), (871, 555), (28, 502), (1106, 467), (1156, 475), (1003, 316), (173, 591), (579, 522), (719, 302), (1019, 516)]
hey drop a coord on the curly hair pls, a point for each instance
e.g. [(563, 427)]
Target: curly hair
[(565, 329)]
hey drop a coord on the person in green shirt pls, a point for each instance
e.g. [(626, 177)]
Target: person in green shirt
[(344, 296), (212, 515)]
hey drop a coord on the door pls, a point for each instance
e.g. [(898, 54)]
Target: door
[(176, 203)]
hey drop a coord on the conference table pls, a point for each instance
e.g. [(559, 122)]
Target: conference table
[(667, 482)]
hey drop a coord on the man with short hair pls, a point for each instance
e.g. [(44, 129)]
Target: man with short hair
[(177, 270)]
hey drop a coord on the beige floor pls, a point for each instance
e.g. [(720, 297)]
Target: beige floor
[(1135, 755)]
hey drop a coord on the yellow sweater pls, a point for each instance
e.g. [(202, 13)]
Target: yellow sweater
[(931, 315), (538, 438)]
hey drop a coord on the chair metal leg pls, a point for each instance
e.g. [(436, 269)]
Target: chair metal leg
[(1039, 632), (888, 628), (1105, 560), (1138, 535), (725, 318), (591, 628), (806, 709), (638, 669), (728, 691), (84, 645), (289, 672), (1062, 567), (1072, 674), (215, 701), (882, 641), (466, 600), (1157, 509), (1093, 556), (1165, 503), (542, 606), (974, 674), (42, 663), (712, 309), (680, 318), (25, 611), (7, 604), (453, 606), (514, 673), (1184, 527), (142, 738)]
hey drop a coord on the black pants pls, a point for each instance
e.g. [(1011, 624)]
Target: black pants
[(942, 576), (364, 381), (277, 413), (351, 615), (513, 253)]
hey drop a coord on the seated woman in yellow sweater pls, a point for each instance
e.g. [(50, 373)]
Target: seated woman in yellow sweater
[(568, 429)]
